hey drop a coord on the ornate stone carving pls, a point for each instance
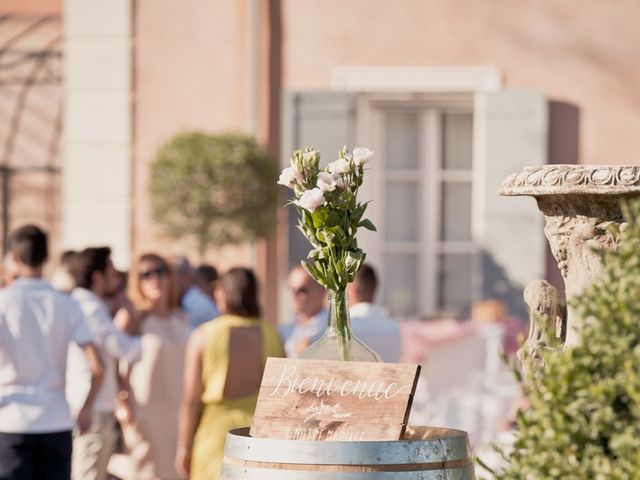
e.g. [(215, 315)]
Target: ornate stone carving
[(579, 203), (573, 179), (547, 326)]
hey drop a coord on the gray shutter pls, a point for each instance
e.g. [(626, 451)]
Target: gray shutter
[(510, 133), (325, 121)]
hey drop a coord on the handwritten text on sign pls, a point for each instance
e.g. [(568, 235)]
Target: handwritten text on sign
[(331, 400)]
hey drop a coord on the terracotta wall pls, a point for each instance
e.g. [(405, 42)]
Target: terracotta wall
[(191, 65), (31, 93), (190, 72), (582, 52), (31, 7)]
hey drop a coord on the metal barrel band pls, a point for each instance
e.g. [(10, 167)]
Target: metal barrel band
[(406, 467)]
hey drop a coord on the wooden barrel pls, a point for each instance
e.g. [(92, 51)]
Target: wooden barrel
[(425, 453)]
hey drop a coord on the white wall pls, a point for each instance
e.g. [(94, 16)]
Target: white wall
[(96, 195)]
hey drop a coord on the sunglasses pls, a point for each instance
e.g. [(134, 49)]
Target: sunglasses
[(300, 290), (154, 272)]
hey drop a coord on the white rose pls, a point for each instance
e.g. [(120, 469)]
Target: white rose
[(361, 155), (340, 183), (326, 182), (290, 176), (339, 166), (311, 199)]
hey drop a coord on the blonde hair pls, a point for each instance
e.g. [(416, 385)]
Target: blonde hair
[(140, 302)]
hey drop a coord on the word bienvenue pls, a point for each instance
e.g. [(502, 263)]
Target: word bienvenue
[(291, 382)]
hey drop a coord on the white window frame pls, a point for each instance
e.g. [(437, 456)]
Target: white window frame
[(441, 88), (430, 176)]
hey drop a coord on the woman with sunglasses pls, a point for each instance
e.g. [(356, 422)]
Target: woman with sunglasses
[(224, 364), (151, 389)]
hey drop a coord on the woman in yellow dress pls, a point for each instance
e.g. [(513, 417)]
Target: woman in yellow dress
[(224, 363)]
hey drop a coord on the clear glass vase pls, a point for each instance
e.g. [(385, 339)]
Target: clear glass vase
[(338, 342)]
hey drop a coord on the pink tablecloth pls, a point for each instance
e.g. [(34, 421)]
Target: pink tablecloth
[(419, 338)]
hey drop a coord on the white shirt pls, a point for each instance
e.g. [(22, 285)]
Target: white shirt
[(371, 324), (198, 306), (112, 343), (36, 325), (293, 333)]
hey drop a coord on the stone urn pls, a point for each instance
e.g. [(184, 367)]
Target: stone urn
[(579, 204)]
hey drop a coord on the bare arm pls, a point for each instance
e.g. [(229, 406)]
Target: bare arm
[(97, 373), (127, 321), (191, 405)]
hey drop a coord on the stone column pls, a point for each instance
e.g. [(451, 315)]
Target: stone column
[(579, 203), (96, 193)]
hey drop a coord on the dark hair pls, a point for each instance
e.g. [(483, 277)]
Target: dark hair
[(240, 289), (67, 257), (29, 245), (366, 281), (206, 273), (88, 261)]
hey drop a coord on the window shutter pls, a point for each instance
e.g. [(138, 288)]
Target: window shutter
[(325, 121), (510, 132)]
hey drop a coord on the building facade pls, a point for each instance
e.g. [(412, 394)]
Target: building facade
[(452, 96)]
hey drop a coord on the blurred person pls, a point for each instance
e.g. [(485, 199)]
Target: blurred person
[(61, 278), (198, 306), (119, 299), (37, 323), (96, 280), (205, 278), (370, 322), (310, 315), (151, 388), (224, 364)]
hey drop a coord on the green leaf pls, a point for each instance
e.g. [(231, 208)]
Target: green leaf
[(320, 216), (366, 223)]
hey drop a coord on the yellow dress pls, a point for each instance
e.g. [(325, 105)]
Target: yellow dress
[(219, 415)]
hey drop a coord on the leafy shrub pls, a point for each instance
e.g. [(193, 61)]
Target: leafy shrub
[(216, 189)]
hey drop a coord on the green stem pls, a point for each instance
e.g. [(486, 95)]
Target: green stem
[(341, 322)]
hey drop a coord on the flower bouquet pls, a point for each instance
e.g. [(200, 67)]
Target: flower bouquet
[(329, 216)]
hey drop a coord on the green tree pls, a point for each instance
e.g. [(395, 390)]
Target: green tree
[(584, 418), (215, 189)]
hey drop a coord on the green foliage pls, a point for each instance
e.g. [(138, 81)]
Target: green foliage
[(584, 418), (216, 189)]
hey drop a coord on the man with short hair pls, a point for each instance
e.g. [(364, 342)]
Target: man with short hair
[(370, 322), (197, 305), (310, 314), (206, 278), (97, 279), (37, 323)]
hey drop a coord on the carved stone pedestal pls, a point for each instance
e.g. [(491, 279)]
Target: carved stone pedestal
[(579, 203)]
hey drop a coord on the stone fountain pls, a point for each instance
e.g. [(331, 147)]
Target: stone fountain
[(579, 204)]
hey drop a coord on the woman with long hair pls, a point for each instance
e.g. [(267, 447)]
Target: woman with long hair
[(151, 388), (224, 364)]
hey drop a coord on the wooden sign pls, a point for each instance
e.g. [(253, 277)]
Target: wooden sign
[(332, 400)]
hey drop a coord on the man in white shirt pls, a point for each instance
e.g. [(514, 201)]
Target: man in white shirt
[(37, 324), (96, 280), (370, 322), (310, 315), (198, 306)]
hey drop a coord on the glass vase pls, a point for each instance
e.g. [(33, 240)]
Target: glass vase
[(338, 342)]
